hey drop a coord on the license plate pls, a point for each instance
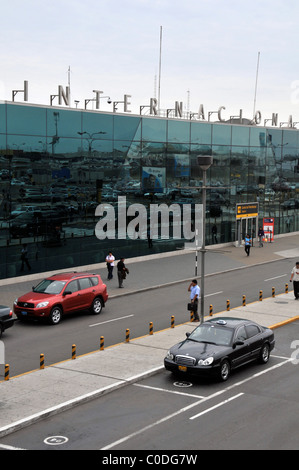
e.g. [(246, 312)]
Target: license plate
[(24, 313), (183, 368)]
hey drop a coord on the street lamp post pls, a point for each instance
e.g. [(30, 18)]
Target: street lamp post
[(204, 161)]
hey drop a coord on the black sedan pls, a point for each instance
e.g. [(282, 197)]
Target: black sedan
[(6, 319), (218, 346)]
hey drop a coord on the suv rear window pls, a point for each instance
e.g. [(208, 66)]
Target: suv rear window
[(94, 280), (84, 283)]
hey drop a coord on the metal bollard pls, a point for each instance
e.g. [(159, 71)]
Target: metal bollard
[(273, 291), (286, 288), (244, 301), (41, 361), (211, 310), (6, 372), (151, 328), (227, 305), (127, 335), (172, 321), (74, 351), (261, 295), (102, 343)]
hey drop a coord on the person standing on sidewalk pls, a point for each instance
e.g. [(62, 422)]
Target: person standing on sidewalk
[(261, 235), (194, 296), (247, 244), (295, 279), (110, 265), (122, 272)]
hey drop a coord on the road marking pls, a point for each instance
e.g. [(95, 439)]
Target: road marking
[(3, 446), (186, 408), (169, 391), (108, 321), (216, 406), (276, 277), (214, 293)]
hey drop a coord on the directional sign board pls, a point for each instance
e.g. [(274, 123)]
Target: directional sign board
[(247, 210)]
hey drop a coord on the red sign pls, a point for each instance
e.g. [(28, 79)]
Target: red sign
[(268, 227)]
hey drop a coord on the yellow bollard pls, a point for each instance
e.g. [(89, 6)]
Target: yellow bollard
[(273, 291), (244, 301), (227, 305), (191, 316), (172, 321), (102, 343), (151, 328), (286, 288), (41, 361), (74, 351), (261, 295), (211, 310), (127, 335), (6, 372)]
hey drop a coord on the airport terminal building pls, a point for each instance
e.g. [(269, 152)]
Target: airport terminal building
[(59, 163)]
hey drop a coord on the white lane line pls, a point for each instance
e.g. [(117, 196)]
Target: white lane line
[(108, 321), (276, 277), (169, 391), (186, 408), (216, 406), (214, 293)]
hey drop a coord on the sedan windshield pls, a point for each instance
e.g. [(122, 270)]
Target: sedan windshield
[(49, 287), (212, 334)]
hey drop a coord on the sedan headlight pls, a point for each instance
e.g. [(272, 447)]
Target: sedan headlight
[(16, 302), (169, 355), (206, 362), (42, 304)]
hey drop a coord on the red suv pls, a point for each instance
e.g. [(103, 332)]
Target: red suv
[(61, 294)]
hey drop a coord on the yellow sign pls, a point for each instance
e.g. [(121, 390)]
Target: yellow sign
[(250, 209)]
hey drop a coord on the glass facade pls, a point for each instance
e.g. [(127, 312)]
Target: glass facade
[(58, 164)]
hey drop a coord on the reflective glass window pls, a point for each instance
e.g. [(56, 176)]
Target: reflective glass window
[(290, 138), (201, 133), (258, 137), (2, 118), (63, 123), (240, 135), (153, 129), (26, 120), (97, 125), (221, 134), (127, 128), (178, 131)]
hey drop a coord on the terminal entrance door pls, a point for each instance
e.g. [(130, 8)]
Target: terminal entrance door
[(246, 221)]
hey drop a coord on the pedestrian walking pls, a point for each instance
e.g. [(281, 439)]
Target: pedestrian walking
[(261, 235), (24, 258), (194, 290), (247, 244), (110, 265), (122, 272), (295, 279), (214, 234)]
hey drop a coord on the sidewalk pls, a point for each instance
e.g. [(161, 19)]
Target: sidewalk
[(31, 397)]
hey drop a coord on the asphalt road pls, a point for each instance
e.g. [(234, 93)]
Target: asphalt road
[(26, 341), (256, 409)]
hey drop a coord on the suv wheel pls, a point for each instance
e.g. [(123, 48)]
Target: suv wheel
[(97, 306), (55, 315)]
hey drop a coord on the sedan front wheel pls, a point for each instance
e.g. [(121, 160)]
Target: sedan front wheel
[(224, 370)]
